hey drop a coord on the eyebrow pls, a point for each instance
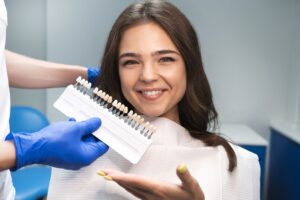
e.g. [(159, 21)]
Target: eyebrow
[(160, 52), (129, 54)]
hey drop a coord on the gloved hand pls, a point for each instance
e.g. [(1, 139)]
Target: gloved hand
[(93, 73), (68, 145)]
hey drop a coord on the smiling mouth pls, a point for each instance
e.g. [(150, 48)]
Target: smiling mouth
[(151, 94)]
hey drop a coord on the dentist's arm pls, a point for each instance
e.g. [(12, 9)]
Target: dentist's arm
[(26, 72), (7, 155)]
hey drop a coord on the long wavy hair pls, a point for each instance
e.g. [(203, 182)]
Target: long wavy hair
[(197, 112)]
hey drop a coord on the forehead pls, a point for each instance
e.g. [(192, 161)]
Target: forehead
[(144, 37)]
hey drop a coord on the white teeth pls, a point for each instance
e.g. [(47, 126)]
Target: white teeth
[(152, 92)]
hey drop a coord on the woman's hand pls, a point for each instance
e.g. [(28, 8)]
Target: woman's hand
[(147, 188)]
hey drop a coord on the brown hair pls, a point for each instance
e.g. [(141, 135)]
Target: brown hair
[(197, 112)]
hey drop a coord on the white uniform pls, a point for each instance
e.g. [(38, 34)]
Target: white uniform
[(171, 146), (7, 191)]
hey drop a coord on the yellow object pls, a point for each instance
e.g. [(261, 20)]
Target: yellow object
[(182, 168), (108, 178), (101, 173)]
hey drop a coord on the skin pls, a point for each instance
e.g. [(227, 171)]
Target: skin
[(149, 62), (7, 155), (26, 72), (149, 189), (153, 79)]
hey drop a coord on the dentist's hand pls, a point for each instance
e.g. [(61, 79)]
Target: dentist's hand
[(68, 145), (93, 73)]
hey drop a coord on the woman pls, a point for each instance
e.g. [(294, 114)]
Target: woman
[(152, 63)]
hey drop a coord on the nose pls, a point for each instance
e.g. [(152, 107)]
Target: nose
[(148, 73)]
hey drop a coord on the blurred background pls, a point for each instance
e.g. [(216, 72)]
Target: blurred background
[(251, 53)]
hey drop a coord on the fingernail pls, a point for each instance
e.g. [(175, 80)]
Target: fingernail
[(182, 168), (109, 178), (101, 173)]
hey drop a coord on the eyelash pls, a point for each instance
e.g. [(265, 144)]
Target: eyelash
[(166, 59), (161, 60), (129, 62)]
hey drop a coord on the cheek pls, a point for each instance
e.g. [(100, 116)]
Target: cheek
[(181, 87), (180, 81), (124, 83), (127, 80)]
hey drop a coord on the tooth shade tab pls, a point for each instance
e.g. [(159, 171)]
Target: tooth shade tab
[(141, 120), (151, 128), (134, 116), (82, 81), (130, 113), (95, 90), (118, 105), (86, 83), (125, 109), (146, 125), (109, 99), (122, 107), (103, 95), (89, 85), (115, 102), (78, 79)]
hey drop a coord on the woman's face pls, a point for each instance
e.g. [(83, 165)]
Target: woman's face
[(152, 71)]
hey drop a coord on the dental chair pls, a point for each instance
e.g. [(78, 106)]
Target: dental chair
[(31, 182)]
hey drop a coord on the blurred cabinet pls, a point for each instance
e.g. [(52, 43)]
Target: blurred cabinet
[(284, 162)]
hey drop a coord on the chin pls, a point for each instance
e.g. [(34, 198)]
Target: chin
[(151, 113)]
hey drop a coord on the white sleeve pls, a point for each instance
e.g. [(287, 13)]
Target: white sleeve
[(7, 191)]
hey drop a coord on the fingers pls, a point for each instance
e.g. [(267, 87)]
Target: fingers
[(72, 119), (94, 149), (186, 178), (9, 136), (134, 191), (89, 126), (137, 181), (147, 188), (102, 148), (139, 186), (189, 183)]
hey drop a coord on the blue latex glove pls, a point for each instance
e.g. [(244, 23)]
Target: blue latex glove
[(68, 145), (93, 73)]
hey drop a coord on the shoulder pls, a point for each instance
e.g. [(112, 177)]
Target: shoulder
[(244, 154), (245, 158), (247, 162), (244, 180)]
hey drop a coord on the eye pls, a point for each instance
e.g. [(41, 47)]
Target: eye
[(166, 59), (129, 62)]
